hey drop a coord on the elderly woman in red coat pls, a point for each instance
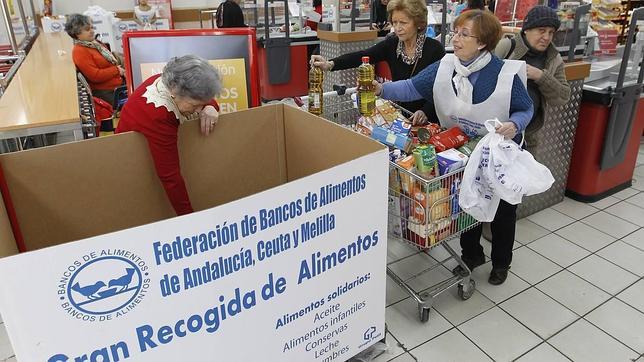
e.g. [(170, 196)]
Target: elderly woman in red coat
[(184, 92)]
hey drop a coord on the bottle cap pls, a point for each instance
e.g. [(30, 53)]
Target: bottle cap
[(365, 59)]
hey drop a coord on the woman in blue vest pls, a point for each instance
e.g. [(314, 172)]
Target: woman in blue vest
[(467, 88)]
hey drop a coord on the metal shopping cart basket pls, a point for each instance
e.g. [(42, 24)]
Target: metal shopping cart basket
[(425, 214), (422, 213)]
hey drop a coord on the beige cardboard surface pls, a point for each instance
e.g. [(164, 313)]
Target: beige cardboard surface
[(314, 144), (7, 242), (243, 156), (77, 190)]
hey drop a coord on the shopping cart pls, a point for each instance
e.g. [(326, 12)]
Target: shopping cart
[(426, 214), (423, 213)]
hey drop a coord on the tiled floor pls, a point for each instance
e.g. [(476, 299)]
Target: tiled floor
[(575, 292)]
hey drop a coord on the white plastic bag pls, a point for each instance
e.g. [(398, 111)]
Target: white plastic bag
[(477, 196), (516, 173)]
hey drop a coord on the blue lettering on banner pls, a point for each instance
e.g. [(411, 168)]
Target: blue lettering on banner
[(87, 285), (116, 352), (187, 246), (318, 264)]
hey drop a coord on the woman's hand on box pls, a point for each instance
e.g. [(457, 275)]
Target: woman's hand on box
[(419, 118), (208, 118)]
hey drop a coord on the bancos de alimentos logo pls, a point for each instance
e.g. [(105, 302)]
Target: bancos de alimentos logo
[(103, 285)]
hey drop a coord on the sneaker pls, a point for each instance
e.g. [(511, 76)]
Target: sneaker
[(471, 264), (498, 276)]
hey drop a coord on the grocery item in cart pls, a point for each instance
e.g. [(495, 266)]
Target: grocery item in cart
[(438, 204), (389, 138), (425, 133), (425, 157), (452, 138), (407, 162), (450, 160), (400, 126), (395, 155), (433, 205), (453, 191), (366, 95), (387, 110), (469, 147), (316, 98), (464, 221), (430, 234), (365, 125)]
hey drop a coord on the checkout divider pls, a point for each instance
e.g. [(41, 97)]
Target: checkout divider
[(287, 247)]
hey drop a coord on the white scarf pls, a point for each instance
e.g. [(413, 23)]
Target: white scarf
[(461, 81), (159, 95)]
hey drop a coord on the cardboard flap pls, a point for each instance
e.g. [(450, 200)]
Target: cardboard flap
[(244, 155), (76, 190), (8, 245), (314, 144)]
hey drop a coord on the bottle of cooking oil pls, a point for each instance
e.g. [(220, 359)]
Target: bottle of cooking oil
[(316, 99), (366, 96)]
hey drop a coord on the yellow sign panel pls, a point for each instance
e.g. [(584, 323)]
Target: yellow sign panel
[(234, 95)]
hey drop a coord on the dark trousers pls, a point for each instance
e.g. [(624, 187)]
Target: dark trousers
[(104, 94), (503, 229)]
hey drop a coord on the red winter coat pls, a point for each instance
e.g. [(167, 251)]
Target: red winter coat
[(160, 127)]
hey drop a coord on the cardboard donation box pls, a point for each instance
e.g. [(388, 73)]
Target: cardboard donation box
[(283, 260)]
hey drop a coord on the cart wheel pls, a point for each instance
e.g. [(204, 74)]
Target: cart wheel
[(424, 314), (466, 295)]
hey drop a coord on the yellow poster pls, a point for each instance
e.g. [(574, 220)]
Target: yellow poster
[(234, 95)]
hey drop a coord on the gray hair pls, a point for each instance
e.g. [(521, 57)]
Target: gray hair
[(192, 77), (76, 23)]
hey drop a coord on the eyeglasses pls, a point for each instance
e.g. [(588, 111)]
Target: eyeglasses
[(462, 34)]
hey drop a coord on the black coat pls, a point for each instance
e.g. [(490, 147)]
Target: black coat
[(385, 50)]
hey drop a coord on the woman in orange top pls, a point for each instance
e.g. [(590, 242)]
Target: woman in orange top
[(99, 66)]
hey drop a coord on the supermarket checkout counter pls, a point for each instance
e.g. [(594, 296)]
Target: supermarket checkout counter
[(610, 122), (42, 97), (283, 62)]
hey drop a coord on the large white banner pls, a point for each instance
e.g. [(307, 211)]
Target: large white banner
[(296, 273)]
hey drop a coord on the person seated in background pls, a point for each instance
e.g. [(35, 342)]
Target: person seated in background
[(230, 15), (184, 92), (469, 87), (547, 84), (98, 65), (145, 15), (407, 52), (380, 18)]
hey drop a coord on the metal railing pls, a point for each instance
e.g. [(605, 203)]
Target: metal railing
[(11, 58)]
